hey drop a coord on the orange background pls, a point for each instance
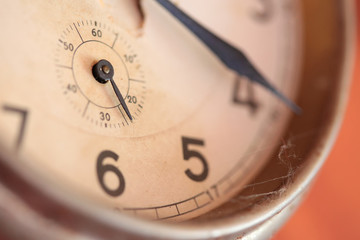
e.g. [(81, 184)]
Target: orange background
[(332, 209)]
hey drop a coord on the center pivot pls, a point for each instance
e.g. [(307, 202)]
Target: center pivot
[(103, 71)]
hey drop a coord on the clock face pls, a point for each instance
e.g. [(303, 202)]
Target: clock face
[(170, 132)]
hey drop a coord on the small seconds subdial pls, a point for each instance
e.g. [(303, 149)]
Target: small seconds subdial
[(80, 47)]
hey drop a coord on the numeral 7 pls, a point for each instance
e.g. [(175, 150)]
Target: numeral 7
[(23, 114)]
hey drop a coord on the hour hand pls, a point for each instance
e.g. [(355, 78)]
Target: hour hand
[(232, 57)]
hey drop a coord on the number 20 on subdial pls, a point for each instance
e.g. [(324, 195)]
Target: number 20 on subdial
[(80, 46)]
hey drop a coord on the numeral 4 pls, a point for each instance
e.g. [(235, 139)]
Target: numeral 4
[(244, 94)]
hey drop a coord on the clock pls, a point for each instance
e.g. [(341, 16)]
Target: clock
[(159, 119)]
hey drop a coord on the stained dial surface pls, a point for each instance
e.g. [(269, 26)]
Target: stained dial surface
[(199, 132), (81, 45)]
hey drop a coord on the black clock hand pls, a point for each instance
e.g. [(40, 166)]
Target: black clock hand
[(229, 55), (103, 72), (121, 99)]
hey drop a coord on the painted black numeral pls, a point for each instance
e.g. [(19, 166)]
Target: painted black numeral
[(186, 142), (130, 58), (71, 88), (68, 46), (23, 114), (96, 32), (105, 116), (247, 100), (132, 99), (102, 169)]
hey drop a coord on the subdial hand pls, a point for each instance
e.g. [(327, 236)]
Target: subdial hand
[(103, 72), (232, 57)]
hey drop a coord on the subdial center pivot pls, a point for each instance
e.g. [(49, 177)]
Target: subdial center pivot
[(103, 71)]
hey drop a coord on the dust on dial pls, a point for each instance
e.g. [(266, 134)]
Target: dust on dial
[(81, 45)]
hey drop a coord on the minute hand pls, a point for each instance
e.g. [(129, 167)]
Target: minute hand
[(232, 57)]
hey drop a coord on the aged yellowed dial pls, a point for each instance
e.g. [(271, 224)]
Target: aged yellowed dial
[(143, 118), (164, 119), (81, 44)]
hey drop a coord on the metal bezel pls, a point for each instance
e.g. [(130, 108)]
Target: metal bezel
[(329, 53)]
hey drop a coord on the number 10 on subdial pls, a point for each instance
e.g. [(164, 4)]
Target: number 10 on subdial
[(80, 47)]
